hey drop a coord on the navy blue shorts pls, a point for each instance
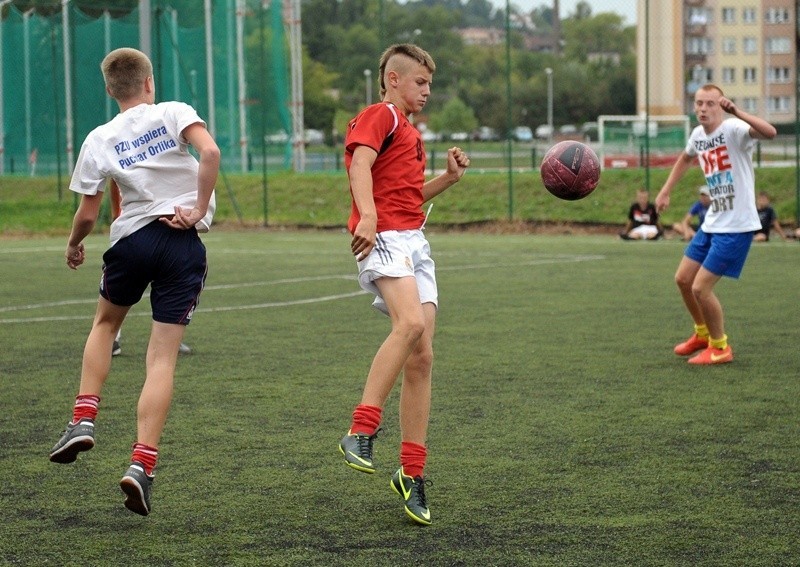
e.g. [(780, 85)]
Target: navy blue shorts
[(172, 262), (721, 253)]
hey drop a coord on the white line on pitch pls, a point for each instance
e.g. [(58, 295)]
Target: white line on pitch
[(536, 262), (199, 310)]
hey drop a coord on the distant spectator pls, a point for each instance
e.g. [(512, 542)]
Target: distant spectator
[(768, 218), (686, 228), (643, 223)]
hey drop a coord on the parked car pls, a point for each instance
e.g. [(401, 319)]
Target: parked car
[(459, 136), (431, 136), (314, 136), (522, 134), (310, 136), (279, 137), (568, 129), (544, 132), (590, 131), (485, 134)]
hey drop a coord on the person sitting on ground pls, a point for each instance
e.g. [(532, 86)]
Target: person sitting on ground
[(768, 218), (643, 223), (686, 228)]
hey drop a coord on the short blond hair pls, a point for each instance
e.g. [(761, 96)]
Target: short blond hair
[(711, 87), (409, 50), (124, 72)]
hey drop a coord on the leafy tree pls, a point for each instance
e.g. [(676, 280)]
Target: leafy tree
[(455, 116), (604, 33), (319, 107)]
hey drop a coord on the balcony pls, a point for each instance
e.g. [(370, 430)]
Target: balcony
[(696, 30)]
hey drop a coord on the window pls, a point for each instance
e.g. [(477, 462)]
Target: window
[(702, 74), (777, 16), (749, 104), (778, 75), (778, 104), (749, 16), (750, 74), (728, 75), (699, 46), (698, 17), (749, 45), (729, 45), (778, 45), (728, 15)]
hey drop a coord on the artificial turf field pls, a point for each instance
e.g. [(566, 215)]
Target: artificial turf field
[(564, 430)]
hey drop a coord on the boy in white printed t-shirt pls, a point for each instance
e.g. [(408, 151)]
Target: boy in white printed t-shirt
[(167, 198), (724, 148)]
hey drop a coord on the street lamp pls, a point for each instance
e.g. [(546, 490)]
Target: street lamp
[(368, 78), (549, 73)]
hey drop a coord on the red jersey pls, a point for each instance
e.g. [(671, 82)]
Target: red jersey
[(399, 170)]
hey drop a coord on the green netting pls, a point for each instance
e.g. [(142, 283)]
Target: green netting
[(33, 76)]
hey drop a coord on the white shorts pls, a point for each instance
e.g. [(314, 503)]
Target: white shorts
[(398, 254), (645, 231)]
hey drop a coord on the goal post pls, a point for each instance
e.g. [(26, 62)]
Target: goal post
[(622, 139)]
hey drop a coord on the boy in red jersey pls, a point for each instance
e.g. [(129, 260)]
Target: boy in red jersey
[(385, 160)]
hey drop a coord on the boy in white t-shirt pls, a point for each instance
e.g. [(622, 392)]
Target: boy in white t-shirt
[(724, 149), (167, 198)]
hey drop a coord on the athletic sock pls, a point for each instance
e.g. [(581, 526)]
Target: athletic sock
[(146, 455), (366, 419), (85, 407), (701, 331), (719, 343), (412, 458)]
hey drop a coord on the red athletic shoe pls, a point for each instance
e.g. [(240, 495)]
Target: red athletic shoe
[(691, 345), (713, 355)]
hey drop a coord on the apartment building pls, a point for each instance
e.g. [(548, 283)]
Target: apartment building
[(747, 47)]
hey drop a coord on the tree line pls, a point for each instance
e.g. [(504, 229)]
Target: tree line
[(593, 72), (593, 69)]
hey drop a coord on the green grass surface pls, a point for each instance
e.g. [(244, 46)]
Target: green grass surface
[(32, 206), (564, 430)]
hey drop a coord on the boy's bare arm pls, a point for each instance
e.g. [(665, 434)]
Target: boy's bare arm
[(360, 174), (202, 141), (457, 164), (82, 225)]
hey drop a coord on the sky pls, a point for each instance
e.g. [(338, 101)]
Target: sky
[(626, 8)]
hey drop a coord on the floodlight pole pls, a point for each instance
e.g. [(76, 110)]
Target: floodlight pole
[(67, 82), (797, 112), (145, 39), (243, 149), (549, 73), (508, 114), (2, 115), (647, 94), (210, 82), (368, 80)]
